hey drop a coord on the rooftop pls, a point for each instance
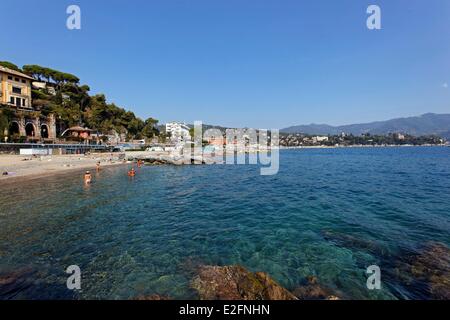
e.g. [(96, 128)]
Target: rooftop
[(15, 73), (79, 128)]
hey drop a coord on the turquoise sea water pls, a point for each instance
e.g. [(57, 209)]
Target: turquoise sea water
[(328, 212)]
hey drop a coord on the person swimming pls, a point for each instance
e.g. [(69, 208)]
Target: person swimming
[(132, 172), (87, 177)]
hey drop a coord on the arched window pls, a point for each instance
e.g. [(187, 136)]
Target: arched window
[(14, 128), (44, 131), (29, 130)]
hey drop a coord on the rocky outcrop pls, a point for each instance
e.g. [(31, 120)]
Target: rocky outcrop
[(237, 283), (177, 160)]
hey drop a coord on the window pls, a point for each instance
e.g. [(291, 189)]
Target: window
[(9, 78), (11, 100), (24, 81), (17, 79), (23, 102), (18, 102), (17, 90)]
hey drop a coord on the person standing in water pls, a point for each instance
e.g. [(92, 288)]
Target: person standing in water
[(132, 172), (98, 166), (87, 177)]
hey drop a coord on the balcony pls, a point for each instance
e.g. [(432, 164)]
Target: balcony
[(21, 108), (22, 95)]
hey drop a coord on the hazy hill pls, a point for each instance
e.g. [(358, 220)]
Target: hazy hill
[(427, 124)]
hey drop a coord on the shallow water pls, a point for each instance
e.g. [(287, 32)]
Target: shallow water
[(328, 212)]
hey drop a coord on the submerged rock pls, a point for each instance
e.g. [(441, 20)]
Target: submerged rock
[(418, 275), (153, 297), (314, 291), (12, 283), (237, 283), (354, 242), (432, 267)]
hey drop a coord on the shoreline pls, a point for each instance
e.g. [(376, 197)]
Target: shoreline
[(25, 168)]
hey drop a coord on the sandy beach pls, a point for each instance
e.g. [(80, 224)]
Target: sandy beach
[(20, 167)]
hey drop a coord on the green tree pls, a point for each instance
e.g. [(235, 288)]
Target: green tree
[(150, 129), (73, 105), (10, 65)]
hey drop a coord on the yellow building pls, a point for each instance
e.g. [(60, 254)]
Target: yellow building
[(15, 89), (25, 121)]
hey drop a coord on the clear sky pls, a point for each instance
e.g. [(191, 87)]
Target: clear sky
[(255, 63)]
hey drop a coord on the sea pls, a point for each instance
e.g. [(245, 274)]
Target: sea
[(328, 214)]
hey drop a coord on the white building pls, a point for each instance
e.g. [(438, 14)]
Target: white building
[(179, 132), (320, 139), (399, 136)]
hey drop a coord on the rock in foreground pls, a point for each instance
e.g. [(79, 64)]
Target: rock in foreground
[(236, 283)]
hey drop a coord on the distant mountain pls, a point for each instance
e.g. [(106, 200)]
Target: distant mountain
[(427, 124)]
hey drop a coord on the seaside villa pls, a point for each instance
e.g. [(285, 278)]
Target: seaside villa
[(15, 88), (26, 122)]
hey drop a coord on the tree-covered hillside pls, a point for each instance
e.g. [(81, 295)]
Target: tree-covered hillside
[(64, 96)]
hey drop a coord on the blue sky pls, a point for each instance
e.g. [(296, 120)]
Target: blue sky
[(255, 63)]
